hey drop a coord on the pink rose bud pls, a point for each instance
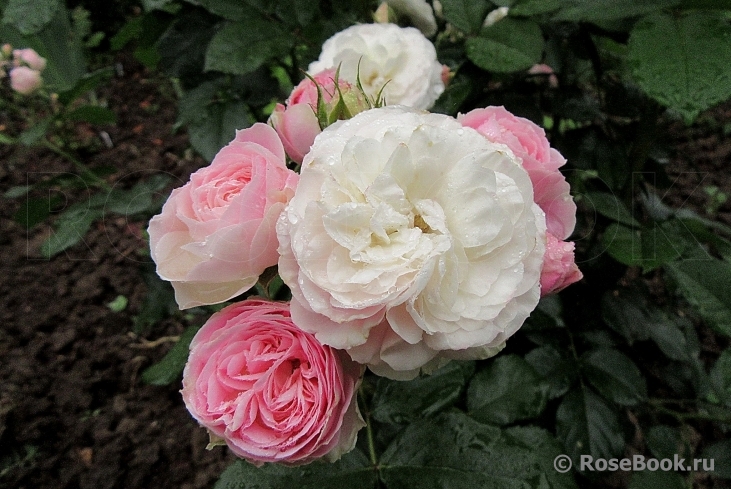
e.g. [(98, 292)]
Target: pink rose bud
[(446, 75), (25, 80), (559, 269), (271, 391), (216, 234), (6, 50), (297, 124), (31, 58), (297, 127)]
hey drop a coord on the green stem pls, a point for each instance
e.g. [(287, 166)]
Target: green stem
[(682, 417), (79, 165), (369, 429)]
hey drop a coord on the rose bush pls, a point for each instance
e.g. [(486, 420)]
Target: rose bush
[(270, 390), (411, 240), (399, 58), (216, 234), (551, 190)]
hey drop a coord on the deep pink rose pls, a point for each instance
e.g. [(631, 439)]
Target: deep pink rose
[(216, 234), (30, 58), (271, 391), (559, 269), (25, 80), (297, 124), (551, 191)]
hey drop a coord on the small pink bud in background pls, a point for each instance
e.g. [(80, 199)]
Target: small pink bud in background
[(7, 50), (30, 58), (297, 127), (446, 75), (543, 69), (25, 80)]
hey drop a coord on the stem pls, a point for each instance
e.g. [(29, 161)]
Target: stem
[(369, 429), (79, 165), (682, 417)]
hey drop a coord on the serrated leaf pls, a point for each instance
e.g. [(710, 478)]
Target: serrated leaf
[(466, 15), (398, 402), (682, 60), (655, 479), (168, 370), (30, 16), (455, 451), (92, 114), (720, 453), (588, 425), (721, 377), (664, 441), (353, 471), (608, 205), (138, 199), (559, 370), (218, 126), (648, 247), (706, 284), (507, 390), (242, 47), (607, 10), (507, 46), (71, 226), (615, 376)]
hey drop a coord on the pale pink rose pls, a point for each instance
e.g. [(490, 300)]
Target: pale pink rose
[(30, 58), (550, 188), (559, 270), (216, 234), (271, 391), (25, 80), (528, 142)]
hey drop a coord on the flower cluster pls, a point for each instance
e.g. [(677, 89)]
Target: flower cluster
[(407, 239), (24, 68)]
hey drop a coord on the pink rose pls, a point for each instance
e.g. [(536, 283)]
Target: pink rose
[(216, 234), (30, 58), (297, 124), (559, 270), (25, 80), (551, 191), (271, 391)]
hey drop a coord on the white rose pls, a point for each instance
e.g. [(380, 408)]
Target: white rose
[(419, 12), (411, 240), (400, 58)]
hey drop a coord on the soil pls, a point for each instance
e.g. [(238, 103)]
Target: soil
[(73, 410)]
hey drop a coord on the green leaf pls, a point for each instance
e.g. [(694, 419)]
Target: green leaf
[(682, 61), (608, 205), (507, 46), (535, 7), (455, 451), (228, 9), (159, 302), (653, 480), (647, 247), (33, 134), (139, 198), (71, 226), (720, 453), (398, 402), (119, 304), (615, 376), (721, 377), (218, 126), (559, 370), (5, 139), (93, 115), (85, 84), (35, 210), (168, 370), (30, 16), (587, 425), (466, 15), (450, 101), (353, 471), (507, 390), (664, 441), (242, 47), (604, 10), (706, 284), (17, 191)]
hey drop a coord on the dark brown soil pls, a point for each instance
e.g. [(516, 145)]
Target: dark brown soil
[(73, 410)]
